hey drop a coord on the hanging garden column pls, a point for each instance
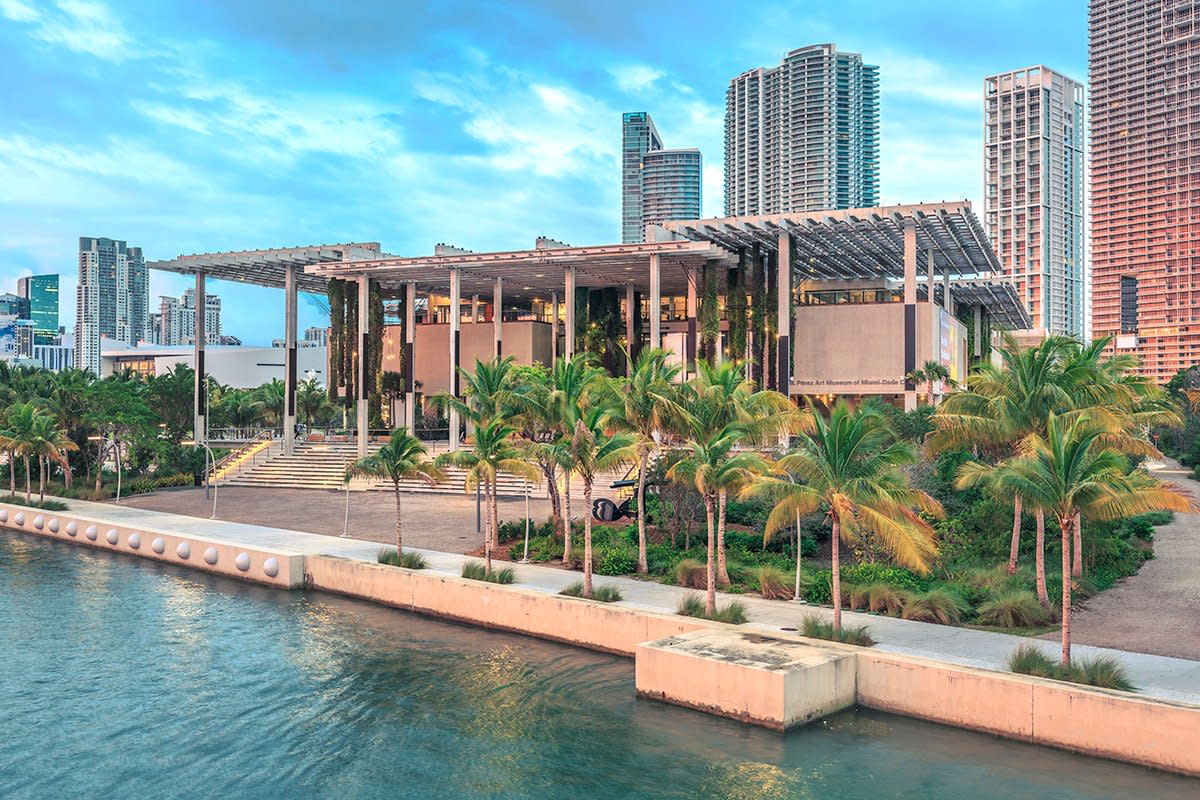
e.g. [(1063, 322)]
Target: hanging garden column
[(410, 367), (364, 366), (455, 319), (289, 359)]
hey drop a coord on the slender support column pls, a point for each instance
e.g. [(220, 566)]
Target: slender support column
[(475, 308), (631, 327), (935, 327), (553, 327), (947, 298), (693, 278), (289, 359), (910, 312), (364, 368), (783, 312), (498, 316), (199, 396), (569, 299), (455, 319), (978, 343), (410, 371), (655, 303)]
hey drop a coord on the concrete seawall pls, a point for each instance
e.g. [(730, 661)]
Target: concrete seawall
[(1116, 725)]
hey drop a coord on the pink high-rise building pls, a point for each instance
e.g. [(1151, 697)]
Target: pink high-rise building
[(1145, 158)]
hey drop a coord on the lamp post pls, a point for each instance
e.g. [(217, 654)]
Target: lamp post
[(525, 560), (208, 456), (116, 451)]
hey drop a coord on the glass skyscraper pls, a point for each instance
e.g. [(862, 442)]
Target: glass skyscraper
[(656, 184), (112, 300), (803, 136), (42, 293)]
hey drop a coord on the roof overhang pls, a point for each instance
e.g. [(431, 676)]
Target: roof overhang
[(269, 267), (856, 243), (537, 272)]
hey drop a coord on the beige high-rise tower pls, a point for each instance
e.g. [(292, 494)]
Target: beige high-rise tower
[(1033, 161)]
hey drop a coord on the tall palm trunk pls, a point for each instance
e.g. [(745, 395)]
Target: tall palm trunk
[(100, 466), (722, 571), (28, 489), (1040, 566), (399, 538), (587, 538), (495, 513), (642, 566), (12, 473), (551, 477), (1077, 551), (487, 526), (835, 581), (1014, 546), (710, 593), (566, 515), (43, 468), (1065, 524)]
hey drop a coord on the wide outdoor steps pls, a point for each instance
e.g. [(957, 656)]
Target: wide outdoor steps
[(319, 465)]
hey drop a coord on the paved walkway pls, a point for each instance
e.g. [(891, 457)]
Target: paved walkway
[(1157, 676), (1158, 609)]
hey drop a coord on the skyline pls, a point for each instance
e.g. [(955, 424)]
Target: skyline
[(191, 130)]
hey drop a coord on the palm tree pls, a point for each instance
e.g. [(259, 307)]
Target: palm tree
[(48, 442), (1000, 407), (571, 381), (850, 466), (491, 452), (21, 435), (10, 441), (272, 396), (1070, 471), (593, 449), (403, 457), (644, 403), (311, 400), (930, 372), (720, 400)]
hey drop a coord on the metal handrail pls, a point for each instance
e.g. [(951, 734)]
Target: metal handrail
[(267, 435)]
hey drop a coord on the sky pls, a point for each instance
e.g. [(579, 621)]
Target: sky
[(190, 127)]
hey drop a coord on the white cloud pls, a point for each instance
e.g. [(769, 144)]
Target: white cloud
[(913, 76), (78, 25), (635, 77), (17, 11)]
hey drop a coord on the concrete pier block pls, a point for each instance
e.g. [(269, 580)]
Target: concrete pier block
[(773, 681)]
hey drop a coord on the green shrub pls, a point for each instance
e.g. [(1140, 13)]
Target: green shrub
[(819, 592), (692, 574), (409, 560), (773, 584), (477, 571), (139, 486), (541, 549), (815, 628), (615, 559), (45, 505), (604, 594), (942, 606), (1013, 609), (1102, 671), (733, 613), (177, 479)]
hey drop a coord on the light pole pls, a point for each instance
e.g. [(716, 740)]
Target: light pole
[(525, 560), (110, 443), (208, 456)]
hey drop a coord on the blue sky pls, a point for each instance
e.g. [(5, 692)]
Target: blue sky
[(195, 127)]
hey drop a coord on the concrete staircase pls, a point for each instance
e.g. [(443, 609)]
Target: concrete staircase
[(321, 465)]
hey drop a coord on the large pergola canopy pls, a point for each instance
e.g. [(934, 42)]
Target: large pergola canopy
[(538, 272), (856, 243), (269, 267)]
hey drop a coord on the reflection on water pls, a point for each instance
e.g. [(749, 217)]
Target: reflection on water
[(126, 678)]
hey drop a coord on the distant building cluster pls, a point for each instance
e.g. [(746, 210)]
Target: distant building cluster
[(29, 331), (174, 323), (112, 299), (657, 184)]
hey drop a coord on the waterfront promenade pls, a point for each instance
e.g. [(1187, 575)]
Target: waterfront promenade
[(1172, 679)]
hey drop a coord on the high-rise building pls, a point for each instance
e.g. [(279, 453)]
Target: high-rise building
[(803, 136), (176, 320), (1145, 171), (1033, 191), (13, 305), (112, 300), (656, 184), (41, 291)]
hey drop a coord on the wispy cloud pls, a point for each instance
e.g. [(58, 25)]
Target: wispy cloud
[(82, 26), (635, 77)]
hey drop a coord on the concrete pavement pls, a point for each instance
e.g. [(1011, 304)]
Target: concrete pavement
[(1157, 676)]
